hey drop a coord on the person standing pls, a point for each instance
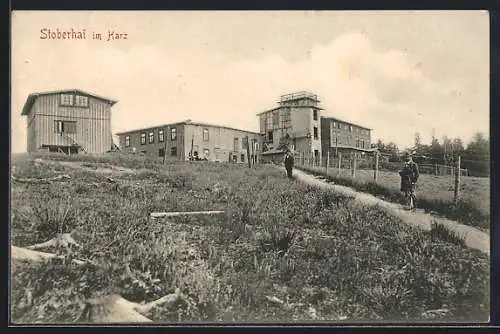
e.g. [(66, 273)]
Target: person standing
[(289, 161), (409, 176)]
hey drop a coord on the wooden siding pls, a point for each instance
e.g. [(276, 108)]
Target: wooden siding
[(31, 126), (93, 124), (220, 143)]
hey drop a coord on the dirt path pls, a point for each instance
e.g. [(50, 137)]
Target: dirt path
[(474, 238)]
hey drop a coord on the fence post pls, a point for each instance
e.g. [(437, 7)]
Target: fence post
[(354, 166), (457, 180), (340, 163), (375, 169), (327, 162)]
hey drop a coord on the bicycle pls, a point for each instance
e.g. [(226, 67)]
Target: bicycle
[(409, 193)]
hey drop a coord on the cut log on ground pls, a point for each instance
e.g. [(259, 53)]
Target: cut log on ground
[(61, 240), (184, 213), (63, 177), (115, 309), (19, 254)]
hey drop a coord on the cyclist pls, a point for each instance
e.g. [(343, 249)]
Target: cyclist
[(409, 176)]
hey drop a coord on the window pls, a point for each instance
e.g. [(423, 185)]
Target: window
[(81, 101), (127, 141), (161, 152), (350, 128), (315, 114), (151, 137), (206, 153), (270, 136), (65, 127), (173, 151), (244, 143), (173, 134), (315, 132), (334, 124), (161, 138), (236, 144), (357, 142), (66, 100), (242, 157), (205, 134), (286, 119), (362, 143), (269, 121), (143, 138), (276, 120)]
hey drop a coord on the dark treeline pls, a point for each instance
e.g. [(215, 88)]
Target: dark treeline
[(475, 156)]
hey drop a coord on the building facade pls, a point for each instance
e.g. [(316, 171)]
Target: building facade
[(185, 140), (68, 121), (295, 123), (344, 137)]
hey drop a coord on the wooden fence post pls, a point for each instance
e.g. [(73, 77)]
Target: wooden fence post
[(457, 180), (354, 166), (327, 162), (375, 169), (340, 163), (248, 152)]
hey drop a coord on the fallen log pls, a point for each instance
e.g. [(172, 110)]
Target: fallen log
[(19, 254), (115, 309), (63, 177), (61, 240), (183, 213)]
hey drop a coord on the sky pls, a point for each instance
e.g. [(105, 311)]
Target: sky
[(395, 72)]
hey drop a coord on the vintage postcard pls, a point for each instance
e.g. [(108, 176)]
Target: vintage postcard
[(250, 167)]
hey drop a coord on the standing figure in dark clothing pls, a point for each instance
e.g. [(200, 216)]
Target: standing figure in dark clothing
[(409, 176), (289, 163)]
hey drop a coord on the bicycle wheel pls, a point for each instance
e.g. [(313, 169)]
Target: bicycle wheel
[(411, 202)]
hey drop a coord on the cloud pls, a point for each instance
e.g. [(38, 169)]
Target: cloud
[(383, 89)]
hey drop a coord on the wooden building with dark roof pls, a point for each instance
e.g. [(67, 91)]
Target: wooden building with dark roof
[(69, 121)]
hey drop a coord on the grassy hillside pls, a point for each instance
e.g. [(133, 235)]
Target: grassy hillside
[(323, 255), (434, 193)]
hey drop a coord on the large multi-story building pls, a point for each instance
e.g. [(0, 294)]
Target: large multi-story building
[(68, 121), (345, 137), (185, 140), (295, 122)]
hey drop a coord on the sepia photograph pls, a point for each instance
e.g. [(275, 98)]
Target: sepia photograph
[(249, 167)]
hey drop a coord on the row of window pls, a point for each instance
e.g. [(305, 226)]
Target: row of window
[(360, 143), (173, 152), (161, 136), (74, 100), (206, 152), (338, 125)]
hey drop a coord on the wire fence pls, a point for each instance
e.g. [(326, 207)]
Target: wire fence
[(347, 163), (370, 168)]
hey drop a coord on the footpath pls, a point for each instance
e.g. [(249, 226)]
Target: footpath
[(473, 237)]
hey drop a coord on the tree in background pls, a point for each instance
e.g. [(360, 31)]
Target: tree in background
[(389, 149), (435, 151), (476, 157)]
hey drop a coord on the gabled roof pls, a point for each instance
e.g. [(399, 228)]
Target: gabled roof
[(186, 122), (33, 96), (346, 122)]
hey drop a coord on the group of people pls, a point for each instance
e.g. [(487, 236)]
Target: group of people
[(409, 173)]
